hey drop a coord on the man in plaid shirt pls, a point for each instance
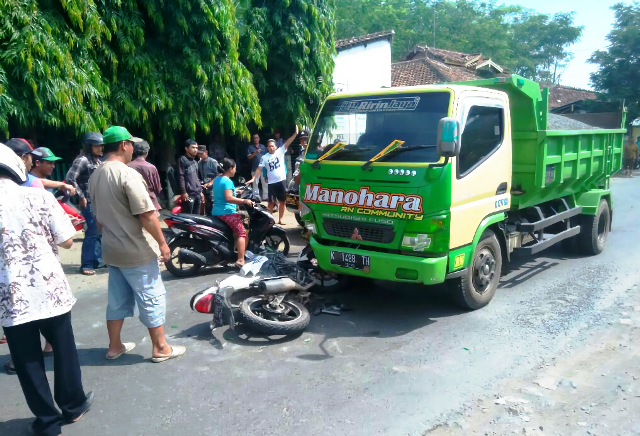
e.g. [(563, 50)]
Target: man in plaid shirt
[(78, 177)]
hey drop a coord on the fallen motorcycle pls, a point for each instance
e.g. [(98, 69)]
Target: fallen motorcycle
[(198, 241), (273, 299)]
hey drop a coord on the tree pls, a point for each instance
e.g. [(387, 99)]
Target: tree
[(175, 66), (159, 67), (619, 65), (48, 74), (288, 45), (527, 42)]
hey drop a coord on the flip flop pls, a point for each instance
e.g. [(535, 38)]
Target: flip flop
[(128, 346), (176, 351), (88, 272), (3, 340)]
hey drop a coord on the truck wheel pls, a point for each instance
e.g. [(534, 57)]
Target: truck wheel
[(477, 287), (595, 230)]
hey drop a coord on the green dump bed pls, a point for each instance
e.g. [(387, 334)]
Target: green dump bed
[(548, 163)]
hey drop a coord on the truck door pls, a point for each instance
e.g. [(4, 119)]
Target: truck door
[(481, 174)]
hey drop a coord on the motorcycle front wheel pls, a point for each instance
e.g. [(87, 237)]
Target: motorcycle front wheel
[(277, 242), (288, 318)]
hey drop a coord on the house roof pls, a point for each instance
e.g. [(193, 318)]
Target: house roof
[(563, 95), (427, 72), (343, 44), (425, 66)]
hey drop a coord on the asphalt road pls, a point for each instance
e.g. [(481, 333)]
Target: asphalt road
[(402, 361)]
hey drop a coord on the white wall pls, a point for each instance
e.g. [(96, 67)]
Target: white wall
[(363, 68)]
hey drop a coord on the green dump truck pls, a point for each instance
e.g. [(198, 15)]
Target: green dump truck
[(449, 182)]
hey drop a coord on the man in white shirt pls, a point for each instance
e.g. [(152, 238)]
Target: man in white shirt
[(274, 162), (35, 298)]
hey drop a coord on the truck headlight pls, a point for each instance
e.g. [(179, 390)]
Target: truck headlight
[(304, 209), (310, 226), (416, 242)]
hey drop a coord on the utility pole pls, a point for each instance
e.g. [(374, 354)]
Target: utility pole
[(434, 25)]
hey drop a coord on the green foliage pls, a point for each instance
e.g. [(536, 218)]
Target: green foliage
[(529, 43), (619, 65), (174, 66), (158, 67), (288, 45), (48, 74)]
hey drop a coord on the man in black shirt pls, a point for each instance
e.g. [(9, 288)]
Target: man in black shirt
[(188, 180), (207, 171)]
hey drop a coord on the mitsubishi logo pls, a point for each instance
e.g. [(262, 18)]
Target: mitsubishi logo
[(356, 235)]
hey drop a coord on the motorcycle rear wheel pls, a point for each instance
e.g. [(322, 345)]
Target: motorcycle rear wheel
[(294, 317), (176, 268)]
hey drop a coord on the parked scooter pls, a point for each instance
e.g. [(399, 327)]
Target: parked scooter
[(272, 301), (199, 241), (72, 212)]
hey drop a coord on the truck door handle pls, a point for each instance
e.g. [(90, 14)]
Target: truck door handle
[(502, 188)]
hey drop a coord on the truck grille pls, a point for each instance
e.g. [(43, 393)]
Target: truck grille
[(379, 233)]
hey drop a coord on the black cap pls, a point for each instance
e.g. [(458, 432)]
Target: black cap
[(304, 134), (19, 146), (93, 138)]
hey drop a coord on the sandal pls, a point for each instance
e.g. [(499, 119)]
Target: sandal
[(128, 346), (88, 272), (3, 340), (239, 265), (176, 351)]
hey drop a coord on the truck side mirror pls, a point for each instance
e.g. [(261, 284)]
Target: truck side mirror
[(448, 137)]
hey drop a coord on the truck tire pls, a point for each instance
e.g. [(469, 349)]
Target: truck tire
[(595, 230), (478, 285)]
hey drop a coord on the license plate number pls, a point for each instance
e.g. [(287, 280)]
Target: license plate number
[(348, 260)]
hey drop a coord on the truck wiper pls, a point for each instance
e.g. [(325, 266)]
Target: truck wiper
[(339, 146), (396, 151), (395, 145)]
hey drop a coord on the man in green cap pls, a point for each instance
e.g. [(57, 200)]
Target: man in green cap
[(123, 208), (44, 162)]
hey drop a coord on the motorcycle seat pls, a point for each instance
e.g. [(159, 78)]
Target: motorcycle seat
[(210, 221)]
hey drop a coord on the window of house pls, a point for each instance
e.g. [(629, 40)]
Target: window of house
[(482, 135)]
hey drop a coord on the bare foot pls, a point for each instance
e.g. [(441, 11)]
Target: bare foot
[(240, 263)]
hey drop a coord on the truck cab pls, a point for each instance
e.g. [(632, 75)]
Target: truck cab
[(385, 200)]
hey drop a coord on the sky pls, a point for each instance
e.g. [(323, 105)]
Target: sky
[(597, 19)]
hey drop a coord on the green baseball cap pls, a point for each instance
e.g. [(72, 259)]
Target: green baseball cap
[(43, 153), (117, 134)]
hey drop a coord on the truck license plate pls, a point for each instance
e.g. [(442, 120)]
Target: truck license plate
[(348, 260)]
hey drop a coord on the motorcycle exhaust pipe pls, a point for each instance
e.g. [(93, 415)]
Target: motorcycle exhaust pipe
[(187, 256), (277, 286)]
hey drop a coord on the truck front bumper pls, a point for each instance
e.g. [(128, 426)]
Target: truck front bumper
[(385, 266)]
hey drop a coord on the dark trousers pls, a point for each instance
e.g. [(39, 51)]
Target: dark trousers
[(26, 352), (192, 205), (208, 203)]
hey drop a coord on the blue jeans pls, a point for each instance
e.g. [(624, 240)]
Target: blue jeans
[(91, 256)]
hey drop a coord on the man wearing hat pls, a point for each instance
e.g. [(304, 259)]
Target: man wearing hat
[(44, 162), (36, 298), (123, 208)]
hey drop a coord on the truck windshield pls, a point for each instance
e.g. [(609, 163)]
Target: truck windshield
[(369, 124)]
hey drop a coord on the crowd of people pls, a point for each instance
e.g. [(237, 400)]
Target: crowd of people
[(117, 191)]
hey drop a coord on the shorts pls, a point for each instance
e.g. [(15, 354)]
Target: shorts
[(141, 285), (277, 191), (234, 221), (629, 162)]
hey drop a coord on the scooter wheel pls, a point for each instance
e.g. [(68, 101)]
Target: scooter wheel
[(290, 318), (174, 266)]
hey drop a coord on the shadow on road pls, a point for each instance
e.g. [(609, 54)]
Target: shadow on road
[(16, 426), (523, 268)]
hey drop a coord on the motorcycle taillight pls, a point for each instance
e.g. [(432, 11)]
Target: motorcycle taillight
[(205, 304)]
